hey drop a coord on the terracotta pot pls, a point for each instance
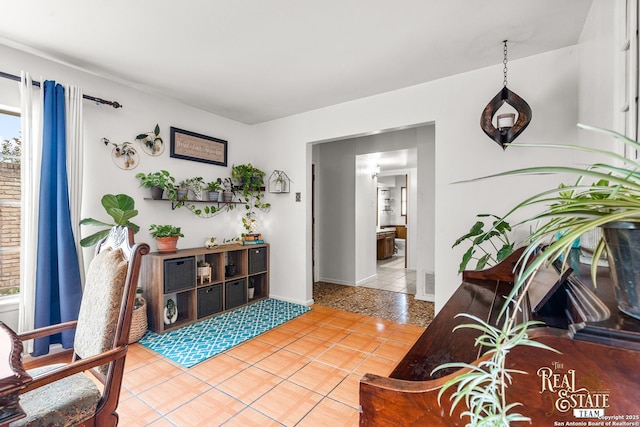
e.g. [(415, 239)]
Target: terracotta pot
[(167, 244)]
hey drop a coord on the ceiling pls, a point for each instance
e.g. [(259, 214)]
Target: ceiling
[(255, 60)]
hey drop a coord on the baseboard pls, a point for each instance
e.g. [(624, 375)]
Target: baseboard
[(292, 300), (336, 281)]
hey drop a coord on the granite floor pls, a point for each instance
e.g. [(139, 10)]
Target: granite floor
[(394, 306)]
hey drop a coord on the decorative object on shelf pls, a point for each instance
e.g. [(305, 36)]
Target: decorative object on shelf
[(121, 208), (252, 239), (252, 287), (124, 156), (231, 241), (151, 142), (158, 182), (199, 148), (204, 271), (508, 126), (211, 243), (166, 237), (170, 312), (138, 318), (198, 187), (279, 182)]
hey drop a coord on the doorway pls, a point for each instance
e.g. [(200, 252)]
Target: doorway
[(345, 237)]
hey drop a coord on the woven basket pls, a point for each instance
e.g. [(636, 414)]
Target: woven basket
[(138, 322)]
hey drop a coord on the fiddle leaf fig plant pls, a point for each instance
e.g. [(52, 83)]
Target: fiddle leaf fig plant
[(121, 208)]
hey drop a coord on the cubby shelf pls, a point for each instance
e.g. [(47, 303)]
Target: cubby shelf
[(175, 275)]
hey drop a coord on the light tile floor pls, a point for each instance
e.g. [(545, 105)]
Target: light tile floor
[(305, 372), (392, 276)]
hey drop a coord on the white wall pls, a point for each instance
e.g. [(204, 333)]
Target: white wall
[(364, 243), (423, 220), (549, 84)]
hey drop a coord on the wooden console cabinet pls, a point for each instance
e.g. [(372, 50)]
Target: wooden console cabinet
[(385, 243), (234, 268)]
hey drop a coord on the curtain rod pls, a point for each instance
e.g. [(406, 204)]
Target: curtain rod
[(114, 104)]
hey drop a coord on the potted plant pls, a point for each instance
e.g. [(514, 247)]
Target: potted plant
[(166, 237), (121, 208), (227, 193), (604, 195), (157, 182), (197, 186), (152, 141), (252, 287), (182, 192), (246, 175), (204, 270), (214, 188)]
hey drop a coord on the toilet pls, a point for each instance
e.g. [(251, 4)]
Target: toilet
[(399, 249)]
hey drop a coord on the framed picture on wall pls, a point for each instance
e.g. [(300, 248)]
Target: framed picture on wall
[(198, 148)]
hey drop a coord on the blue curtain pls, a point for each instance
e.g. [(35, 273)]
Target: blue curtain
[(58, 287)]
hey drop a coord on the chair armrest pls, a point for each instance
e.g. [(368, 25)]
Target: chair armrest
[(76, 367), (47, 330)]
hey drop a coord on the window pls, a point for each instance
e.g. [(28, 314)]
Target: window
[(403, 201), (10, 201), (629, 64)]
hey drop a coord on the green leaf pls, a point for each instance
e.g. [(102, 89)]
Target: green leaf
[(94, 238), (476, 230), (465, 259), (156, 130), (482, 262), (91, 221), (142, 136), (504, 252)]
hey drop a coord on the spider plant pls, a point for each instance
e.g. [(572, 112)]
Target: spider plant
[(602, 193)]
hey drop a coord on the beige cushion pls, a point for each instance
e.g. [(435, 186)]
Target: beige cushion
[(62, 403), (100, 307)]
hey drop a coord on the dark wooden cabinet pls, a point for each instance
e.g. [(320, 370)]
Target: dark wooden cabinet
[(385, 244)]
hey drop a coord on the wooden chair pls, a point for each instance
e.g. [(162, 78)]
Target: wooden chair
[(62, 394)]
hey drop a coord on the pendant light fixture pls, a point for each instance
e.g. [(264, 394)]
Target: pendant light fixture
[(508, 126)]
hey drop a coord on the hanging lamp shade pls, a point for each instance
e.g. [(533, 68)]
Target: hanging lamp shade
[(508, 127), (505, 135)]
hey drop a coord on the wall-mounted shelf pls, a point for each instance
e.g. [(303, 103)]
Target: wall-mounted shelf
[(279, 182), (174, 204)]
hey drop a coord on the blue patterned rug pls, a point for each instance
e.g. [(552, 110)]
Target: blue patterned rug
[(199, 341)]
